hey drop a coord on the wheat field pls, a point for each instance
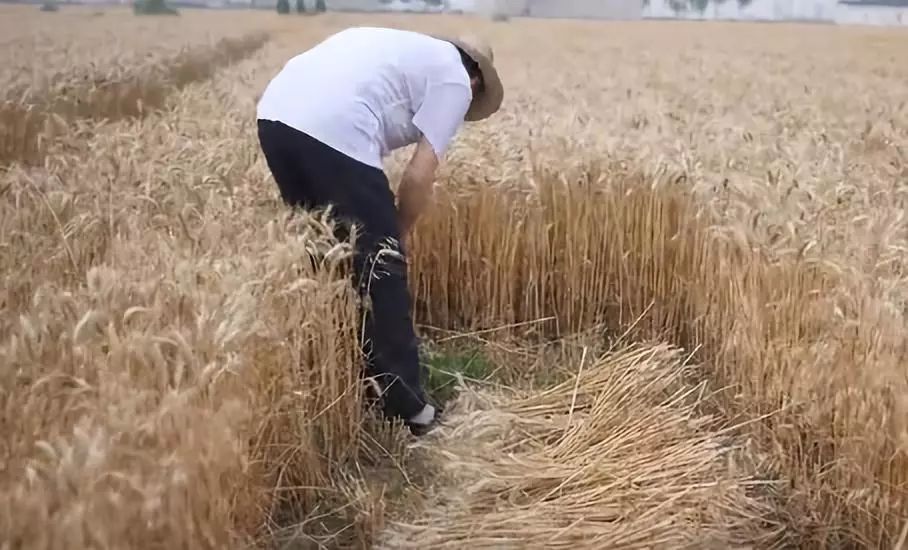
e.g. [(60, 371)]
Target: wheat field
[(680, 245)]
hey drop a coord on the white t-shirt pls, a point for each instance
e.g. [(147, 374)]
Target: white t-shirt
[(367, 91)]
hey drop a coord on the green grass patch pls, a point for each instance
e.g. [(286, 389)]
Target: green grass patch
[(445, 366)]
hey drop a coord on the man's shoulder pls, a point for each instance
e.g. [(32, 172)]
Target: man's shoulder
[(388, 33), (435, 59)]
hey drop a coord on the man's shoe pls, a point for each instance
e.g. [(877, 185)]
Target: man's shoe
[(420, 430), (424, 422)]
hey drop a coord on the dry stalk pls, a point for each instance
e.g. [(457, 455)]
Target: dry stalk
[(637, 468)]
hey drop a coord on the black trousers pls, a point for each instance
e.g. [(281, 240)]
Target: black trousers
[(312, 175)]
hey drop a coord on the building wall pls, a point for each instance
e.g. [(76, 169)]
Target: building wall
[(376, 5), (823, 11), (505, 7), (466, 6), (871, 15), (351, 5), (593, 9), (757, 10)]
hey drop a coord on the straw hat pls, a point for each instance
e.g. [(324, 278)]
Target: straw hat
[(488, 101)]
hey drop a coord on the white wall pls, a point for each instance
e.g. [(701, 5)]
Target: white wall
[(867, 15), (593, 9), (507, 7), (375, 5), (828, 11), (760, 10), (466, 6)]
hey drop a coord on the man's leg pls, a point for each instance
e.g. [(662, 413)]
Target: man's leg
[(310, 174), (380, 266), (281, 146)]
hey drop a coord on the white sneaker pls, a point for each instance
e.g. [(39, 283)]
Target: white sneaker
[(425, 416), (422, 423)]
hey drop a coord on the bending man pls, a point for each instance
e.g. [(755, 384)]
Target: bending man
[(327, 121)]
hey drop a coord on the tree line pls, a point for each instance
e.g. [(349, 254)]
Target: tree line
[(679, 6)]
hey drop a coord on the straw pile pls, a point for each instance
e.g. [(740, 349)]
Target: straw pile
[(619, 456)]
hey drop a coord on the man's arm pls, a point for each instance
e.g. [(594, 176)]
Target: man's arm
[(438, 117), (416, 186)]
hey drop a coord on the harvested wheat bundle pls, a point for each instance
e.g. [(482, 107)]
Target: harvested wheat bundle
[(617, 457)]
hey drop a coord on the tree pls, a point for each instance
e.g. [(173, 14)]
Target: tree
[(699, 5), (681, 6), (283, 6), (677, 6), (152, 7), (320, 5), (300, 6)]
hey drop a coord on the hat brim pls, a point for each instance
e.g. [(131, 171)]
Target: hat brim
[(487, 102)]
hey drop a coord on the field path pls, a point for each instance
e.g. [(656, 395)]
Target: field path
[(617, 457)]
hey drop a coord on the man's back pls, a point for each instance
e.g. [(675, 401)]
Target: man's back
[(359, 91)]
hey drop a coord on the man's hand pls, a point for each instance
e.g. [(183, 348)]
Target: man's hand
[(416, 186)]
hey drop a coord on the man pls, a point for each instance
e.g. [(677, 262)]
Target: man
[(325, 124)]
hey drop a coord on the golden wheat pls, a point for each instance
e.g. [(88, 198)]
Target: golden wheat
[(164, 366), (48, 51), (87, 79), (714, 184), (722, 187)]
